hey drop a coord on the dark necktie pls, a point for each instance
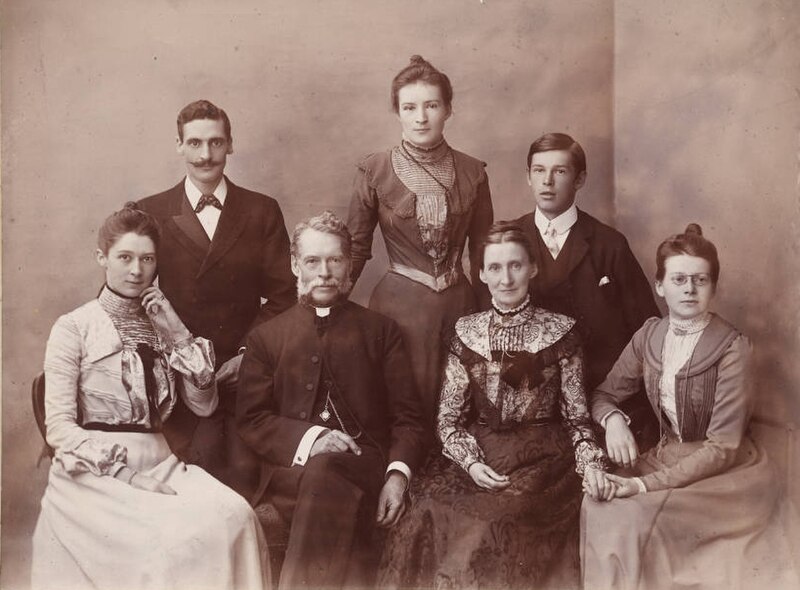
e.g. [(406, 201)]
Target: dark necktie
[(207, 200)]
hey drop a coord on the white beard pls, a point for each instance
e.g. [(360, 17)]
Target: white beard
[(305, 290)]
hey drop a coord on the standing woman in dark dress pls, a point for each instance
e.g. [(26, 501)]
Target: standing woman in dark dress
[(428, 199)]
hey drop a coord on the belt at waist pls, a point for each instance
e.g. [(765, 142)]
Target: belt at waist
[(440, 283), (119, 427)]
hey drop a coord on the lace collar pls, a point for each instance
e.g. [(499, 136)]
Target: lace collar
[(683, 327), (543, 328), (502, 318)]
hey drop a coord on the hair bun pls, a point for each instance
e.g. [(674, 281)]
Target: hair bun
[(693, 228), (417, 60), (131, 205)]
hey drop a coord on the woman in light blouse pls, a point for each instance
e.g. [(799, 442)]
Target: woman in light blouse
[(701, 509), (120, 510)]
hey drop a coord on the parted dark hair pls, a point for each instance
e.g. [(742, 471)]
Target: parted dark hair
[(690, 242), (507, 231), (559, 141), (326, 222), (203, 109), (129, 219), (420, 70)]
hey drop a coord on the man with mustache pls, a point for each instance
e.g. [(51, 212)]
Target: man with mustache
[(586, 268), (224, 249), (328, 401)]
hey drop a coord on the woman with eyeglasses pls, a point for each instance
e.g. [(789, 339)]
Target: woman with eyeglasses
[(701, 509)]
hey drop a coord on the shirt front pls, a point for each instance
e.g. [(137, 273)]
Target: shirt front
[(209, 216), (562, 224)]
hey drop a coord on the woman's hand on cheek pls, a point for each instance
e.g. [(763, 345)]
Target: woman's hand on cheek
[(162, 314)]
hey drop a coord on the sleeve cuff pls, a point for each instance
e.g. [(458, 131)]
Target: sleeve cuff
[(116, 468), (402, 468), (640, 484), (608, 414), (304, 448), (183, 341)]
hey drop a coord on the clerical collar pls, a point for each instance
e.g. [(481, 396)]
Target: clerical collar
[(321, 312)]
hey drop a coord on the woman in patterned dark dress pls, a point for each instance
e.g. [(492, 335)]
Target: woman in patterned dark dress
[(500, 509), (429, 199)]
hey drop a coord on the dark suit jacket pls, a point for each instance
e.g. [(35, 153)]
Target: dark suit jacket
[(216, 286), (280, 374), (608, 315)]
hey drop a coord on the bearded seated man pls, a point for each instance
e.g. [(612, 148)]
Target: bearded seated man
[(327, 400)]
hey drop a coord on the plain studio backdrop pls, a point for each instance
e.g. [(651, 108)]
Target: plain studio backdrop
[(688, 112)]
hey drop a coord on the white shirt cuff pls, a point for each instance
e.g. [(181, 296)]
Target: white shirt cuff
[(304, 448), (604, 418), (402, 468), (640, 483)]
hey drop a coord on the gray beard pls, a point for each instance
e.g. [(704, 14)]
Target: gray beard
[(304, 293)]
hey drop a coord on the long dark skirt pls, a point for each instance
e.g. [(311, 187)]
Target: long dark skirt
[(457, 535), (426, 319)]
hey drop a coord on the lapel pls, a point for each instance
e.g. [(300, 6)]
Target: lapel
[(579, 239), (576, 246), (713, 343), (100, 337), (185, 226), (231, 224)]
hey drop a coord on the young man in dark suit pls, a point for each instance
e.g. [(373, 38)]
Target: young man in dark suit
[(328, 401), (586, 268), (223, 249)]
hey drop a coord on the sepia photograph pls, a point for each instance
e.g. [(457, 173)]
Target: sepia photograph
[(466, 294)]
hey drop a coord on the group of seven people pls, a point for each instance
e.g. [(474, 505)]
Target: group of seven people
[(459, 416)]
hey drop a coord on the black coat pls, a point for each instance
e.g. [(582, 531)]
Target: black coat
[(281, 370), (216, 286), (608, 314)]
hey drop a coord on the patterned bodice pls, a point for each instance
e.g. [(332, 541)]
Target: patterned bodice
[(504, 371)]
